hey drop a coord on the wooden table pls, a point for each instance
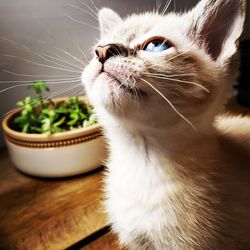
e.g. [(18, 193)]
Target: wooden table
[(51, 214), (55, 214)]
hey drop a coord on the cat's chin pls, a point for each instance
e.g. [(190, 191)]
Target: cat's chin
[(109, 90), (114, 94), (111, 82)]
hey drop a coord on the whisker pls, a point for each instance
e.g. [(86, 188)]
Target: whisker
[(52, 38), (41, 42), (134, 82), (44, 98), (183, 81), (174, 6), (41, 55), (94, 5), (36, 76), (14, 43), (135, 90), (86, 5), (117, 50), (158, 5), (177, 75), (77, 85), (170, 104), (166, 7), (77, 44), (78, 21), (83, 10), (176, 56), (30, 84), (169, 60), (82, 52), (63, 61), (77, 92), (70, 55), (40, 64), (47, 81)]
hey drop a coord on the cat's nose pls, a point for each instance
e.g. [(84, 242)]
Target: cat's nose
[(107, 51)]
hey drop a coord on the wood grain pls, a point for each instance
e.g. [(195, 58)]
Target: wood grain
[(234, 108), (55, 214), (47, 214), (106, 242)]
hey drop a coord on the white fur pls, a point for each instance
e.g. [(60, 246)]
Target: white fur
[(145, 196)]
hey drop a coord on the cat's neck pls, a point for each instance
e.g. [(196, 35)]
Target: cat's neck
[(167, 141), (174, 143)]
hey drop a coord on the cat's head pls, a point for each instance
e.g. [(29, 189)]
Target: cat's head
[(153, 69)]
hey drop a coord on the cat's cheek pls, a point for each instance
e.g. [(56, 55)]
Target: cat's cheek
[(89, 75), (98, 93)]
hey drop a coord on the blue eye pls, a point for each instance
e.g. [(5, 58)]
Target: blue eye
[(157, 45)]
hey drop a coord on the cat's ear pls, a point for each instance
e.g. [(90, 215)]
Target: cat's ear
[(108, 19), (217, 26)]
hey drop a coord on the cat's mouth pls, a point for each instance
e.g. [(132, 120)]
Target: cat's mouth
[(114, 83)]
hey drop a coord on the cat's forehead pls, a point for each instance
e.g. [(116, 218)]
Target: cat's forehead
[(137, 28)]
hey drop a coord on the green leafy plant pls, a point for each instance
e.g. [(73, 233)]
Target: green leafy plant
[(43, 115)]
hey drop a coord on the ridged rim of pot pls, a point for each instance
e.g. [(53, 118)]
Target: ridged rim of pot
[(16, 136)]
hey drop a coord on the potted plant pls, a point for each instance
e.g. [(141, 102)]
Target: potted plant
[(54, 137)]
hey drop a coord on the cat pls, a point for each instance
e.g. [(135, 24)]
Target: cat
[(178, 172)]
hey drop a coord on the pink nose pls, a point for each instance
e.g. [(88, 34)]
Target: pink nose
[(107, 51)]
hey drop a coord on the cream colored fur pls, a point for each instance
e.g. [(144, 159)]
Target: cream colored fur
[(175, 179)]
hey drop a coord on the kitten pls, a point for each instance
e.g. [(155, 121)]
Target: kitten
[(158, 83)]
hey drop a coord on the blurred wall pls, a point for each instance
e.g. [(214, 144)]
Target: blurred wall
[(31, 28)]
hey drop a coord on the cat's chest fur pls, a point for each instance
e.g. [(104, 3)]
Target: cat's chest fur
[(137, 184), (153, 204), (137, 189), (146, 205)]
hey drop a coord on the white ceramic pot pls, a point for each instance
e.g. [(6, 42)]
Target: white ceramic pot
[(58, 155)]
